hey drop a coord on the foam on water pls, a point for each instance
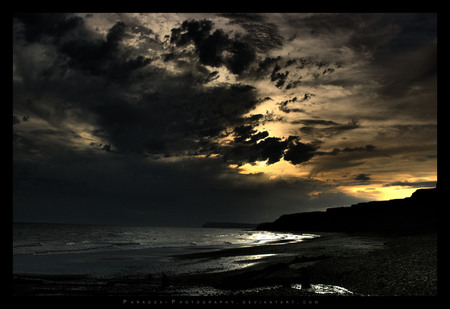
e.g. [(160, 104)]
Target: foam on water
[(324, 289)]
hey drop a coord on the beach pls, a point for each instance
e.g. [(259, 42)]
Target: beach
[(334, 264)]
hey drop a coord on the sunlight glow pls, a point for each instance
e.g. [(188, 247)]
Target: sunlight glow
[(378, 192), (273, 171)]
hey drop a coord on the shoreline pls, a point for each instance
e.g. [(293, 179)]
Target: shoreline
[(364, 265)]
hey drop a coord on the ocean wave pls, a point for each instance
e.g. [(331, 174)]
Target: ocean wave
[(40, 239)]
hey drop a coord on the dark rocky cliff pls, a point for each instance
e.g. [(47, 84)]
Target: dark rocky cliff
[(414, 214)]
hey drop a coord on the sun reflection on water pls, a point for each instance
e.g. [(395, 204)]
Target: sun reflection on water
[(264, 237), (324, 289)]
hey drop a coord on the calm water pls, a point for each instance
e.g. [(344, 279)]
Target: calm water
[(120, 250)]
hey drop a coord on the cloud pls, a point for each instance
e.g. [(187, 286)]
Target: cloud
[(298, 152), (135, 107), (327, 128), (279, 78), (343, 158), (285, 109), (175, 119), (118, 106), (214, 49), (107, 58), (362, 177), (48, 27), (250, 147), (83, 49), (261, 34), (316, 122), (416, 184), (270, 149), (138, 107), (118, 189)]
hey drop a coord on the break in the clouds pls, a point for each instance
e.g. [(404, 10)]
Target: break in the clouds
[(196, 115)]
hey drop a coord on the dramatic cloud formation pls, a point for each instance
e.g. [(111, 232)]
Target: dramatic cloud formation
[(219, 117)]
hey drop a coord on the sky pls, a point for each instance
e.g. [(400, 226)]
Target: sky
[(177, 119)]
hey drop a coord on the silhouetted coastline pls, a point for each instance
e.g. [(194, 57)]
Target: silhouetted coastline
[(412, 215)]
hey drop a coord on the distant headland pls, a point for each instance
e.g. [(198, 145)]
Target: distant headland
[(415, 214)]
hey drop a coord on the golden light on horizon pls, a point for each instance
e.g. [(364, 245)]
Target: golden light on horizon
[(378, 192)]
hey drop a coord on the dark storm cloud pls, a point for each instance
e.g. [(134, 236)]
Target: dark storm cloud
[(133, 122), (106, 189), (266, 65), (105, 58), (376, 32), (274, 69), (49, 27), (146, 103), (400, 49), (270, 149), (405, 46), (84, 52), (298, 152), (71, 77), (238, 53), (81, 48), (278, 77), (250, 147), (408, 70), (173, 120), (68, 186), (262, 35), (247, 134), (214, 49), (136, 107), (288, 110), (283, 106)]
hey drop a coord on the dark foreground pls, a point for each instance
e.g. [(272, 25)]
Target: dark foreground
[(355, 265)]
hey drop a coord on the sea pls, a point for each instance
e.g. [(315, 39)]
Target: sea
[(110, 251)]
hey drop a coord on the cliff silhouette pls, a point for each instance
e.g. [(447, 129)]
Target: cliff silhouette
[(415, 214)]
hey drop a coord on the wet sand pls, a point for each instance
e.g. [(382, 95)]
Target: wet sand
[(362, 265)]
